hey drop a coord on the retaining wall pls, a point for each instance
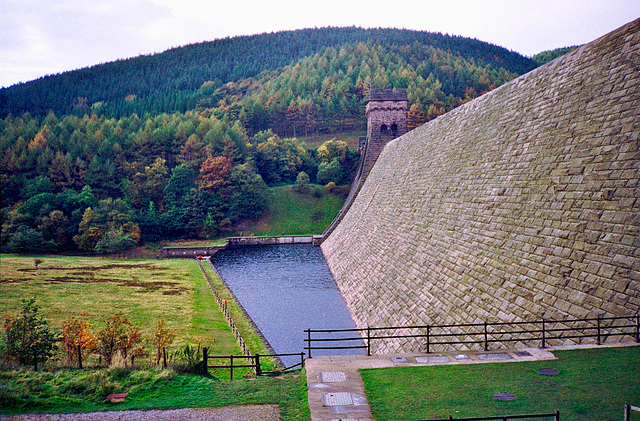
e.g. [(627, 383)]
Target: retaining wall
[(520, 205)]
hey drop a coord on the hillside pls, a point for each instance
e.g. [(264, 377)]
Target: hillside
[(171, 81), (546, 56), (184, 144)]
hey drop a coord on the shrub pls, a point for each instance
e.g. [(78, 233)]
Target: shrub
[(163, 338), (77, 332), (29, 339), (302, 183), (121, 336), (331, 171)]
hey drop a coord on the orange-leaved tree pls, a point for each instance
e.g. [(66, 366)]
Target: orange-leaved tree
[(77, 332)]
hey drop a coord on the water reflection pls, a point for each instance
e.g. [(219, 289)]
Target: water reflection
[(285, 289)]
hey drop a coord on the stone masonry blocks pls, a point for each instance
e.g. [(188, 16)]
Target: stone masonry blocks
[(519, 205)]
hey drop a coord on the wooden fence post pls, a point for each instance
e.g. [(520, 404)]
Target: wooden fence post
[(309, 341), (258, 368), (544, 345), (627, 412), (428, 337), (80, 356), (557, 415), (231, 367), (164, 357), (598, 327), (368, 341), (205, 357)]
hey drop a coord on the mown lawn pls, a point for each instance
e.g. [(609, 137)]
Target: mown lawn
[(593, 384)]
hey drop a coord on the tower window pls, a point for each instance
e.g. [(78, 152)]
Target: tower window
[(383, 129), (394, 129)]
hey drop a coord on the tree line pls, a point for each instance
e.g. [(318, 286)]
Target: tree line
[(171, 81), (29, 339)]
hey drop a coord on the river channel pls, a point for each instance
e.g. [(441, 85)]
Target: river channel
[(286, 289)]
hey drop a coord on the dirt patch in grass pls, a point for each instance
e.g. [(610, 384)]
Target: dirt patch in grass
[(103, 274), (172, 288)]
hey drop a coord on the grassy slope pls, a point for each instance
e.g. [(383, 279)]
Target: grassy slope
[(65, 391), (294, 214), (350, 137), (593, 384)]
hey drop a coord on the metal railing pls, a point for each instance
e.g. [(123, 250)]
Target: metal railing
[(484, 334), (555, 416), (250, 361)]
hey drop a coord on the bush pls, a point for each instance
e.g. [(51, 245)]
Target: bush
[(120, 336), (302, 183), (28, 240), (29, 339), (331, 171), (317, 191), (77, 332)]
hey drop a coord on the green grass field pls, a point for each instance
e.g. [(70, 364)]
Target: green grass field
[(293, 214), (593, 384), (142, 290)]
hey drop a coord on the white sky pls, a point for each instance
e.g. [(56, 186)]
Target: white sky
[(40, 37)]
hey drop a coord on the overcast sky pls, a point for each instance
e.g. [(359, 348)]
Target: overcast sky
[(40, 37)]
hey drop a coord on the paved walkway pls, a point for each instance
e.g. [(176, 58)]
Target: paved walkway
[(336, 390)]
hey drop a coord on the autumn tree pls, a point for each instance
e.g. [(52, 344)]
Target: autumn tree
[(76, 332), (214, 174), (162, 338), (119, 336)]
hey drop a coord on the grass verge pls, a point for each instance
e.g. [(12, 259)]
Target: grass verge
[(593, 384), (66, 391)]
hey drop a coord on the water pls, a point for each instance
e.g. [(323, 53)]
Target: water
[(286, 289)]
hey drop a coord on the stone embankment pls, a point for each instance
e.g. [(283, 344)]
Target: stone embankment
[(522, 204)]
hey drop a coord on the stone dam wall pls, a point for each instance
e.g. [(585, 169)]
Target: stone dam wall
[(520, 205)]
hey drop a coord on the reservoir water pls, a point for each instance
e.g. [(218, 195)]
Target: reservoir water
[(286, 289)]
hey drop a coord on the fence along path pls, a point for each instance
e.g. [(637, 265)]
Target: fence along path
[(484, 334), (253, 361), (223, 306)]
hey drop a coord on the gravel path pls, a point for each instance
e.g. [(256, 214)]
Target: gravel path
[(229, 413)]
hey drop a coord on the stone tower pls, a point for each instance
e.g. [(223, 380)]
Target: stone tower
[(386, 113)]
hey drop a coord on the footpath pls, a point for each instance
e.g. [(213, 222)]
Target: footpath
[(336, 390)]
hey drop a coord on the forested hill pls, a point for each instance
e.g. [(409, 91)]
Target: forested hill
[(189, 142), (171, 81)]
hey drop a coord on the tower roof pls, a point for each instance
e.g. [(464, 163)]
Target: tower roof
[(387, 94)]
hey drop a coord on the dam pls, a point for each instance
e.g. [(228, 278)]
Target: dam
[(519, 205)]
